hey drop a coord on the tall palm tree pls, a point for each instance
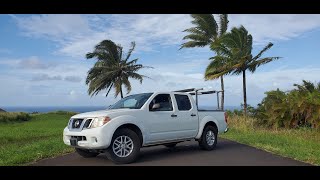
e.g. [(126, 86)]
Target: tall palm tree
[(206, 32), (236, 47), (112, 69)]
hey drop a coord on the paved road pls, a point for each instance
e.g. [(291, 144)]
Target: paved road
[(188, 153)]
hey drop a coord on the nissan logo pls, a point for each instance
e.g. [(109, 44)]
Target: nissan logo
[(77, 123)]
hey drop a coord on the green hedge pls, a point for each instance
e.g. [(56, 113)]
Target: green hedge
[(7, 117)]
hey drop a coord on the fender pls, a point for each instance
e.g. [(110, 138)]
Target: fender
[(203, 122), (127, 119)]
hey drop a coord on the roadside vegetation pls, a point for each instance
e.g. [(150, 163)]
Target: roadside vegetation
[(301, 144), (11, 117), (285, 123), (39, 137), (297, 108)]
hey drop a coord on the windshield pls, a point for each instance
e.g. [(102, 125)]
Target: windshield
[(135, 101)]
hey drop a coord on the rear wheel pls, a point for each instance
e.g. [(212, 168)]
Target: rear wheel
[(86, 153), (208, 140), (124, 147)]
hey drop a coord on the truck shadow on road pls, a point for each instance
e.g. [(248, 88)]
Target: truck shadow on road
[(180, 153)]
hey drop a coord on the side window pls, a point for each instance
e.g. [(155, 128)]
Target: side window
[(162, 102), (183, 102)]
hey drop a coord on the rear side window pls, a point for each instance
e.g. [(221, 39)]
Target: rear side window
[(183, 102)]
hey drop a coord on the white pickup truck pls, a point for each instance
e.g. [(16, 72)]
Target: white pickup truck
[(141, 120)]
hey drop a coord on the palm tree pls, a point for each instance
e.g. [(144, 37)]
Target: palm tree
[(235, 50), (206, 32), (112, 69)]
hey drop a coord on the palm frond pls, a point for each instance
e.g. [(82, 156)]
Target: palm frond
[(133, 45), (255, 64), (223, 24), (267, 47), (127, 84), (191, 44)]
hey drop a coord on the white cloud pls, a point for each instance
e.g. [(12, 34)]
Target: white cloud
[(164, 79), (72, 78), (32, 62), (56, 27), (274, 27), (78, 34), (46, 77)]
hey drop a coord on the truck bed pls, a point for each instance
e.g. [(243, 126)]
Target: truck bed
[(218, 115)]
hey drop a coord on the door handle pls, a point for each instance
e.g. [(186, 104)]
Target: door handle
[(173, 115), (193, 114)]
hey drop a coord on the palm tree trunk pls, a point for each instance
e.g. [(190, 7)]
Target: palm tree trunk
[(121, 91), (222, 95), (244, 92)]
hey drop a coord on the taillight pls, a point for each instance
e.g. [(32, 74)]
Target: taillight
[(226, 117)]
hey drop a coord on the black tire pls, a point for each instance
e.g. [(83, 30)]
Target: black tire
[(171, 145), (135, 151), (203, 143), (86, 153)]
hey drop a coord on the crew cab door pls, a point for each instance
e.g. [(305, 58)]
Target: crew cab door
[(162, 120), (187, 115)]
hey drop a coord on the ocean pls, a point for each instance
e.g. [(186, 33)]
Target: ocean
[(43, 109), (79, 109)]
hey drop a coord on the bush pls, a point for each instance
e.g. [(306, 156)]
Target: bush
[(296, 108), (63, 113), (7, 117)]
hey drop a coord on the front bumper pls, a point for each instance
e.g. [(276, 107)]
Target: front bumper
[(96, 138)]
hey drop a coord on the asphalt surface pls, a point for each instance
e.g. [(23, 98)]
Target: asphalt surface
[(227, 153)]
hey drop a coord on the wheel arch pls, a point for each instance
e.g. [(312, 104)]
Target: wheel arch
[(132, 127), (206, 121)]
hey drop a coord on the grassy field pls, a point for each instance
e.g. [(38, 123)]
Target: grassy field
[(300, 144), (39, 138)]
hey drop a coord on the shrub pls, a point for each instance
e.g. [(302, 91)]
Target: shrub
[(7, 117), (296, 108), (63, 113)]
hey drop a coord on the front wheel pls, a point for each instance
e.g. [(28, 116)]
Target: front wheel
[(86, 153), (208, 140), (124, 147)]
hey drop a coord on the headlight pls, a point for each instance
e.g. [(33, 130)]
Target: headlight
[(99, 121)]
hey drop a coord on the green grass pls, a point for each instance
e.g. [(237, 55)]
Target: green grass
[(39, 138), (300, 144)]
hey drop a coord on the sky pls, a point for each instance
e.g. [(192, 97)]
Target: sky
[(42, 57)]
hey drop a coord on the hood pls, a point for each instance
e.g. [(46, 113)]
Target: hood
[(100, 113)]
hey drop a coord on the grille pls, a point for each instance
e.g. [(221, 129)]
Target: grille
[(76, 123), (87, 123)]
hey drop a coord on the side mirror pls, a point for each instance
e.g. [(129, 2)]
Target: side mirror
[(155, 106)]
